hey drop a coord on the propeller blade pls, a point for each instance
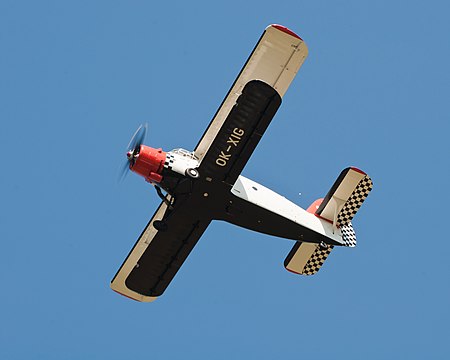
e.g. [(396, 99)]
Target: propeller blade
[(134, 146), (124, 171), (137, 139)]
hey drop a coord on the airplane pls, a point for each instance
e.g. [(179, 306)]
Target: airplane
[(197, 187)]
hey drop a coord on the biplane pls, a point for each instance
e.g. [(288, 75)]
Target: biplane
[(206, 184)]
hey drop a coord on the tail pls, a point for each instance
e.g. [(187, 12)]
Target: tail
[(345, 197), (338, 207), (306, 258)]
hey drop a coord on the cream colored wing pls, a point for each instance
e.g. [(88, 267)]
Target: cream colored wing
[(275, 61)]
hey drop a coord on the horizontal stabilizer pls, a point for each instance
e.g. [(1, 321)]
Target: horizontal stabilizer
[(306, 258), (345, 197)]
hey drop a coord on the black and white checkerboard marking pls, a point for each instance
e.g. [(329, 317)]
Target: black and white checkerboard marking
[(355, 201), (348, 235), (170, 158), (316, 260)]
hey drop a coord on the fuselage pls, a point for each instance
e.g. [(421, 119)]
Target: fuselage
[(246, 203)]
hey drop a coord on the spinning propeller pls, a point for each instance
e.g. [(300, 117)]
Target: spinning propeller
[(133, 149)]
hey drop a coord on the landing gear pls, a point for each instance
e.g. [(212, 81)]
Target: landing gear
[(167, 199), (160, 225), (323, 246), (192, 173)]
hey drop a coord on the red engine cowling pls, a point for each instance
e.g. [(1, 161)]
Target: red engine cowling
[(149, 163)]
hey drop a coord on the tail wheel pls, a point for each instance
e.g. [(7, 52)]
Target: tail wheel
[(192, 173)]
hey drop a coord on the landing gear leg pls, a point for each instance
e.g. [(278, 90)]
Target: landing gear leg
[(161, 225), (169, 200)]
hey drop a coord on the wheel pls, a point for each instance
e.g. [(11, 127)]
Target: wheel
[(323, 246), (160, 225), (192, 173)]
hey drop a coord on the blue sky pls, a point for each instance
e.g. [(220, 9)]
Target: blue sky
[(76, 80)]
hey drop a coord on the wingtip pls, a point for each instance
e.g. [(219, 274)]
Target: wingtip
[(292, 271), (285, 30), (133, 296), (357, 170), (129, 297)]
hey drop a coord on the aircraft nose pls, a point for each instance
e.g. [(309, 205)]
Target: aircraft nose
[(149, 163)]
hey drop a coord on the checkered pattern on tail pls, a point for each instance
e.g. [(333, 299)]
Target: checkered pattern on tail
[(169, 161), (355, 201), (316, 260), (348, 235)]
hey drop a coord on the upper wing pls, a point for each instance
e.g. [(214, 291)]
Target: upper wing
[(157, 255), (275, 61), (240, 133)]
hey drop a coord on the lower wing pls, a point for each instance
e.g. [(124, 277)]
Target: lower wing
[(158, 255)]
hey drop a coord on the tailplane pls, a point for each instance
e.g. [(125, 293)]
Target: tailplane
[(307, 258), (338, 207), (345, 197)]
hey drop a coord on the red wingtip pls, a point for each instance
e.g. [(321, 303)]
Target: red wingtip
[(286, 30), (358, 170), (292, 271), (125, 295)]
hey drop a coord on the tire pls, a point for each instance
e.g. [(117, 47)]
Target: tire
[(192, 173), (323, 246), (160, 225)]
